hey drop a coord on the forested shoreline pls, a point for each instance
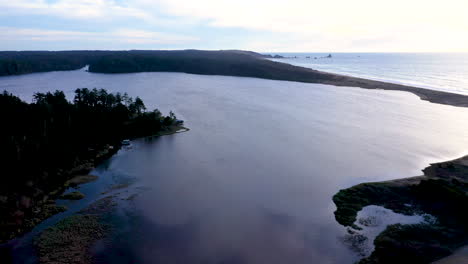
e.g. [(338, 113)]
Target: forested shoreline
[(46, 142), (23, 62), (223, 62), (196, 61)]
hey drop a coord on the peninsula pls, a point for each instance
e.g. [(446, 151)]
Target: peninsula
[(223, 62), (51, 144)]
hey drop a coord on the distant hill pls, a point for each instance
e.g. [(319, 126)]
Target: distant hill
[(223, 62), (229, 62), (23, 62)]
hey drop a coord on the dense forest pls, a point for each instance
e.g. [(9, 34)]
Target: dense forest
[(22, 62), (228, 62), (231, 63), (49, 140)]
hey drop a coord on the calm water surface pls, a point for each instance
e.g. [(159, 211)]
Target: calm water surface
[(252, 181)]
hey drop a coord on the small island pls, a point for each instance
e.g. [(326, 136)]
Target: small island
[(52, 144)]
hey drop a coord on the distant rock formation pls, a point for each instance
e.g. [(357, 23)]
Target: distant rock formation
[(276, 56)]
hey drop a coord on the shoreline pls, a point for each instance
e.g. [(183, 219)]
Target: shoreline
[(236, 63), (425, 94), (441, 192), (47, 207), (78, 175), (70, 240), (307, 75), (171, 131), (378, 79), (256, 65), (433, 96)]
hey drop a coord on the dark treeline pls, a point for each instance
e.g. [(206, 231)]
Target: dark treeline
[(22, 62), (228, 62), (45, 142)]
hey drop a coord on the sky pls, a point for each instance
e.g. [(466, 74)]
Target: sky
[(258, 25)]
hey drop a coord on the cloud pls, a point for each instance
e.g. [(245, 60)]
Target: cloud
[(120, 35), (74, 9), (410, 25), (275, 25), (146, 37), (341, 16)]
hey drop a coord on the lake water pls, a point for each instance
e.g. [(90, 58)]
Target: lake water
[(253, 180), (437, 71)]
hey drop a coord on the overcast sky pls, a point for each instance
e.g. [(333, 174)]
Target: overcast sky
[(259, 25)]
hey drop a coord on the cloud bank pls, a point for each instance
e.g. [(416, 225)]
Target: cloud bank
[(295, 25)]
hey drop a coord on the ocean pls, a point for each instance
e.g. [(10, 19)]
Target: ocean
[(438, 71)]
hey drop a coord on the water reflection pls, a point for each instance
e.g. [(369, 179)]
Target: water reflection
[(252, 181)]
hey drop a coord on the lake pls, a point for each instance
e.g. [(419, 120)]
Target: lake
[(253, 179)]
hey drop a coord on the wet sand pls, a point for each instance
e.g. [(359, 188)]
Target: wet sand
[(432, 96)]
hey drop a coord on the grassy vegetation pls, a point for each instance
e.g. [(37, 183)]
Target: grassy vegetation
[(350, 201), (117, 187), (81, 179), (72, 196), (43, 211), (70, 239), (441, 192), (100, 207)]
